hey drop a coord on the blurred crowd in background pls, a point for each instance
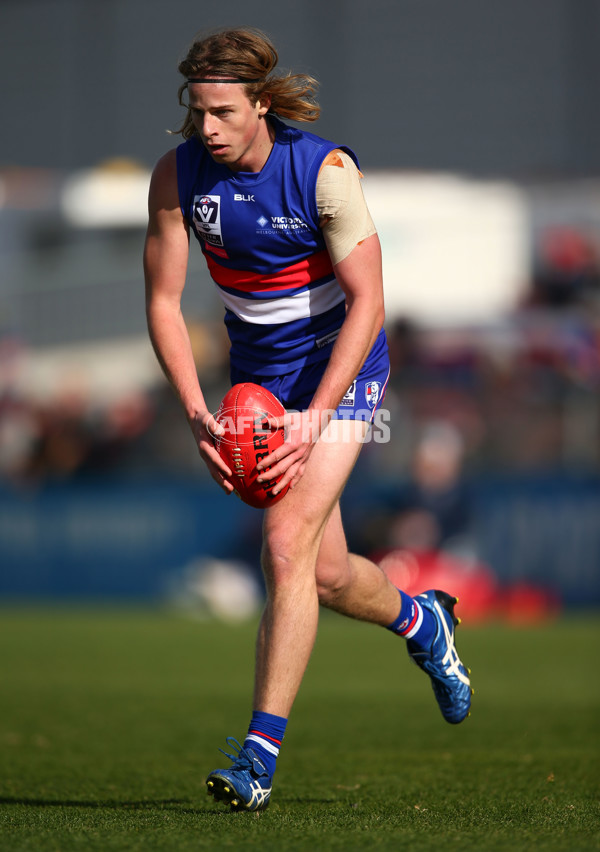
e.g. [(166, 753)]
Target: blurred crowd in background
[(521, 394), (515, 396)]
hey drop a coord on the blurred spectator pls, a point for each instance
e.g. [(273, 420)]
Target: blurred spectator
[(567, 270), (64, 437), (19, 434), (433, 510)]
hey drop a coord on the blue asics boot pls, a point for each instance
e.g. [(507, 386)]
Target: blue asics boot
[(246, 785), (449, 677)]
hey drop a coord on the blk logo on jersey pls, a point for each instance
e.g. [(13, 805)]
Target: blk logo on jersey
[(372, 393), (207, 218)]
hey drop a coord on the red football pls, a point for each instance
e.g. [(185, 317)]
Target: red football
[(248, 438)]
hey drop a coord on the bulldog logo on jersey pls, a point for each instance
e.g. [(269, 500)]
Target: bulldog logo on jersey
[(207, 219), (372, 393)]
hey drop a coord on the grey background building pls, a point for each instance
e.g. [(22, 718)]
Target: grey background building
[(479, 86)]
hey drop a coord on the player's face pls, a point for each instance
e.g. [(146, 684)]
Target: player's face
[(234, 131)]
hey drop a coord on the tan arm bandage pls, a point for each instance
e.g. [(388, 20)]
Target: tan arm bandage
[(343, 212)]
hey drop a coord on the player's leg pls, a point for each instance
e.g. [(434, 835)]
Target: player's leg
[(292, 535), (351, 584), (357, 588)]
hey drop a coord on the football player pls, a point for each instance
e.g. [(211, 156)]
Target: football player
[(291, 247)]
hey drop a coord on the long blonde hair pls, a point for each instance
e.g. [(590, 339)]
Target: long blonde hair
[(248, 56)]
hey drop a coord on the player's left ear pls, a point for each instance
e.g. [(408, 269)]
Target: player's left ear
[(264, 104)]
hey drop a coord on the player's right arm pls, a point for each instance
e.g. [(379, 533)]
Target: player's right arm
[(166, 253)]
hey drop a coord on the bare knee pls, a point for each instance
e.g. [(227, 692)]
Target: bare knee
[(332, 579), (286, 560)]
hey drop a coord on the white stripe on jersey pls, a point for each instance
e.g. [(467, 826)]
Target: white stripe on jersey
[(282, 309)]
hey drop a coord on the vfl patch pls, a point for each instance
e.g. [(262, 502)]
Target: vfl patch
[(207, 219), (372, 392), (349, 395)]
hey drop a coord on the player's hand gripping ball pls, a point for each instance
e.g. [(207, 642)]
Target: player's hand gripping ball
[(244, 415)]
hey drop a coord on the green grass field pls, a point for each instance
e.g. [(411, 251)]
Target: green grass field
[(110, 721)]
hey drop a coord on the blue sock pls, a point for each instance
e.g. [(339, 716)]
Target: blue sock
[(414, 622), (265, 734)]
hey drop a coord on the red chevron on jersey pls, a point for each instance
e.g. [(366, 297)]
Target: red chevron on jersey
[(313, 268)]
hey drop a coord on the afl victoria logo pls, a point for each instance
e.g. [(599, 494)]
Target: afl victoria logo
[(206, 217), (206, 210)]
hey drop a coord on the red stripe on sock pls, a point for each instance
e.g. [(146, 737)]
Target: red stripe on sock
[(265, 736)]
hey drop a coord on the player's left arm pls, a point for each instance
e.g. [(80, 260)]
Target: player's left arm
[(355, 251), (360, 276)]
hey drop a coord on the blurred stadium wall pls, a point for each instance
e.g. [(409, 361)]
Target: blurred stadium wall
[(478, 133), (497, 88)]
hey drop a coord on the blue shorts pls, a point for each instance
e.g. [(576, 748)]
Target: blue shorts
[(295, 390)]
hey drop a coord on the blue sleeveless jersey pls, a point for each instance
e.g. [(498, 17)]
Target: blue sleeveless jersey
[(260, 235)]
